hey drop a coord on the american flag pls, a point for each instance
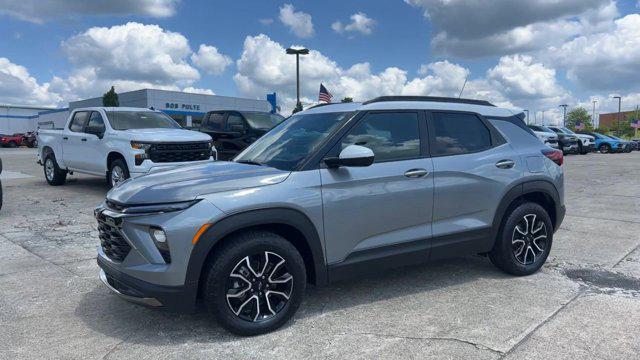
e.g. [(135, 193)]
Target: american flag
[(635, 124), (324, 95), (580, 126)]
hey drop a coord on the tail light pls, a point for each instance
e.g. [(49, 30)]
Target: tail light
[(554, 155)]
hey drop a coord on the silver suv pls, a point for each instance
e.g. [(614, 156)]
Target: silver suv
[(333, 192)]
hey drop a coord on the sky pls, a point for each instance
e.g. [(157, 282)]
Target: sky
[(530, 54)]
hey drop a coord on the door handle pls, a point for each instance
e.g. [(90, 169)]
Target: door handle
[(83, 139), (505, 164), (416, 173), (65, 138)]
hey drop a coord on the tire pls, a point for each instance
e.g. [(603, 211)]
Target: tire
[(238, 313), (605, 148), (13, 144), (582, 150), (52, 173), (520, 260), (118, 172)]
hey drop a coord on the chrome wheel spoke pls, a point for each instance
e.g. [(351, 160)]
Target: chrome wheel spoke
[(256, 296), (520, 230)]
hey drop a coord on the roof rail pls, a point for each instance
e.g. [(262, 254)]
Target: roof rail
[(428, 98), (321, 104)]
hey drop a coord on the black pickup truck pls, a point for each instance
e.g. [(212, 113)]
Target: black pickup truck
[(232, 131)]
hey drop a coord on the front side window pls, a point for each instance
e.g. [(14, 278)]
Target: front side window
[(79, 119), (95, 124), (391, 136), (291, 142), (126, 120), (459, 133)]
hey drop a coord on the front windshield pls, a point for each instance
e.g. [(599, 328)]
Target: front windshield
[(567, 131), (544, 128), (125, 120), (288, 144), (262, 120)]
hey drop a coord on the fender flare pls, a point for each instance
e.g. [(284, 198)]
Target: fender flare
[(521, 189), (243, 220)]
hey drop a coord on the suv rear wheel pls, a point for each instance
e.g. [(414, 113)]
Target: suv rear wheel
[(255, 283), (524, 241)]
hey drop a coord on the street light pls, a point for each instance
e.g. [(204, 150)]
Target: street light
[(564, 114), (297, 52), (619, 105), (594, 114)]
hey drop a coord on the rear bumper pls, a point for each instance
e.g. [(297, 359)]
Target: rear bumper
[(172, 298)]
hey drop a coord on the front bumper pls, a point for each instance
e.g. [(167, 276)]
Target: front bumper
[(172, 298), (148, 167)]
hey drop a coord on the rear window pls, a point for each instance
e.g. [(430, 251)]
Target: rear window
[(459, 133)]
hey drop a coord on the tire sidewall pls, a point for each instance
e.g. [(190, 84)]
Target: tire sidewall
[(503, 256), (604, 148), (216, 296)]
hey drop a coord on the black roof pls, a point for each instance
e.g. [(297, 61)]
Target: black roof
[(429, 98)]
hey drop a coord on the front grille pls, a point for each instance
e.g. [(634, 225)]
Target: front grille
[(179, 152), (111, 240)]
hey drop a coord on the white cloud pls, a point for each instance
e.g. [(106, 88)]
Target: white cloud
[(520, 77), (40, 10), (266, 21), (508, 27), (209, 59), (17, 86), (604, 61), (297, 21), (360, 23)]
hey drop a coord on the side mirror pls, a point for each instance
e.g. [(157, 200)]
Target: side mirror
[(352, 155)]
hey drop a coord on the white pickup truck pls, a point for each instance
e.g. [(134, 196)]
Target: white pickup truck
[(119, 143)]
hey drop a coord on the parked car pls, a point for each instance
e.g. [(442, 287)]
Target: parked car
[(637, 141), (605, 144), (586, 143), (629, 146), (118, 143), (333, 192), (232, 131), (12, 141), (30, 139), (547, 136)]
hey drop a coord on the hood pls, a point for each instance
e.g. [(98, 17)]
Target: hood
[(185, 183), (584, 136), (165, 135)]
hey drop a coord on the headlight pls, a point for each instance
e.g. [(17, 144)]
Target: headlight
[(159, 208), (140, 146)]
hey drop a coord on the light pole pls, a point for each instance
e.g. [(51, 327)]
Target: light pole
[(564, 114), (297, 52), (619, 105), (527, 118), (594, 114)]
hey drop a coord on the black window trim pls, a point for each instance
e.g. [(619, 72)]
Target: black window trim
[(332, 146), (496, 138), (84, 123)]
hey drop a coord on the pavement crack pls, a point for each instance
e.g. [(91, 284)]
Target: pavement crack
[(544, 322), (626, 255), (434, 338), (40, 257)]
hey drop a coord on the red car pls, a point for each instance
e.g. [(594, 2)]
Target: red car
[(11, 141)]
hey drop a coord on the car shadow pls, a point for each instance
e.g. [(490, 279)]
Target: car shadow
[(107, 314)]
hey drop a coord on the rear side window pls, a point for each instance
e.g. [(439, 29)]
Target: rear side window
[(95, 124), (215, 122), (458, 133), (234, 119), (391, 136), (79, 119)]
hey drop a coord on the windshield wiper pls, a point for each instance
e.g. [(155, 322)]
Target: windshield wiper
[(250, 162)]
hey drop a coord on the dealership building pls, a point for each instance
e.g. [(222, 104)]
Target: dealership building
[(610, 120), (186, 108)]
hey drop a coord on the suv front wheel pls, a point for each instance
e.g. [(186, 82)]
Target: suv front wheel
[(524, 241), (254, 283)]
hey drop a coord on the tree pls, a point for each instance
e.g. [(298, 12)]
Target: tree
[(347, 99), (298, 108), (579, 115), (110, 98)]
